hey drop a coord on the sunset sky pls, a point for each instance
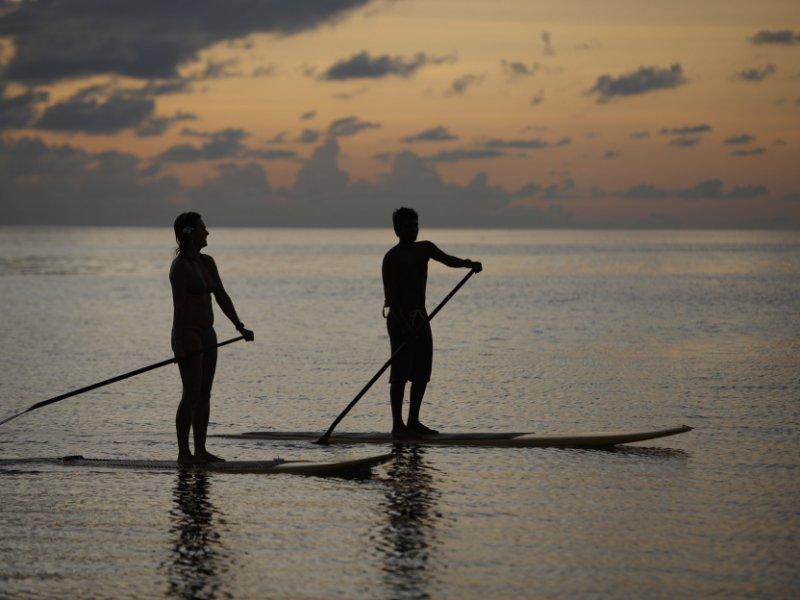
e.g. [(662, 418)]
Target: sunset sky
[(524, 113)]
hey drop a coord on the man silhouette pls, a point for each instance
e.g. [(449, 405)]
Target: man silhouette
[(405, 277)]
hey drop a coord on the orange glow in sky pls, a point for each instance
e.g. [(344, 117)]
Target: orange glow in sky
[(620, 113)]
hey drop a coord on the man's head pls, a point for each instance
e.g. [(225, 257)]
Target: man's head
[(406, 223)]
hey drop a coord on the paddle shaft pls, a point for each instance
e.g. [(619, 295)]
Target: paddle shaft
[(99, 384), (327, 434)]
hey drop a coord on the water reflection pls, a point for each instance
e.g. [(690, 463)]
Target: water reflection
[(651, 451), (409, 539), (199, 559)]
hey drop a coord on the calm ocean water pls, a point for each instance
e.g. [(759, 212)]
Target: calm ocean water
[(563, 331)]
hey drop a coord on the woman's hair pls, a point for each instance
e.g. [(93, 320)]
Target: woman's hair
[(184, 225)]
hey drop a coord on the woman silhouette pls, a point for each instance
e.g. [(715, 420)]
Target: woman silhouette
[(194, 278)]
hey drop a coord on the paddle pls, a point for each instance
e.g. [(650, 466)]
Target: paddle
[(94, 386), (327, 434)]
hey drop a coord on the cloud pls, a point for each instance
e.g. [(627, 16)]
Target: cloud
[(19, 111), (437, 134), (563, 190), (710, 189), (494, 148), (516, 69), (246, 192), (687, 130), (749, 152), (641, 81), (101, 109), (783, 37), (309, 136), (413, 181), (646, 191), (43, 184), (158, 125), (344, 127), (755, 75), (560, 191), (166, 87), (217, 69), (548, 46), (526, 144), (226, 143), (320, 181), (687, 135), (263, 71), (112, 188), (56, 40), (349, 126), (684, 142), (461, 154), (364, 66), (220, 145), (272, 154), (460, 85), (91, 115), (736, 140)]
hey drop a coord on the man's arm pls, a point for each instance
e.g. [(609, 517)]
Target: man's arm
[(453, 261)]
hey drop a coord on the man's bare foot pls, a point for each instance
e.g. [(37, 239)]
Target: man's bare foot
[(206, 456), (420, 429)]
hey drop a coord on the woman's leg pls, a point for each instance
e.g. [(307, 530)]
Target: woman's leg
[(191, 370), (202, 411)]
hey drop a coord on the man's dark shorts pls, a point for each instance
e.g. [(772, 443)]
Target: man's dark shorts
[(414, 362)]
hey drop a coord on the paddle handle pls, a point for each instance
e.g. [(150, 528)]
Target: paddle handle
[(327, 434), (451, 294), (99, 384)]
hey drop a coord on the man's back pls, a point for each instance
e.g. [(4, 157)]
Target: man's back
[(405, 275)]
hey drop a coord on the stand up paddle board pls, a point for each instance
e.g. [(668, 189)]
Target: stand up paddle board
[(513, 439), (271, 467)]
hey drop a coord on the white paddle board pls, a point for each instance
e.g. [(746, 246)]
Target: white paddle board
[(275, 466), (499, 439)]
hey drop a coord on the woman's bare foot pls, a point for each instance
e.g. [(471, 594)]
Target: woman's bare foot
[(400, 432), (189, 460)]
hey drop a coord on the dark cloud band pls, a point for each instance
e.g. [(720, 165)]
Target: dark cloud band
[(145, 39)]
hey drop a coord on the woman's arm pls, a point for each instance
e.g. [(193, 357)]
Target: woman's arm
[(224, 300)]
